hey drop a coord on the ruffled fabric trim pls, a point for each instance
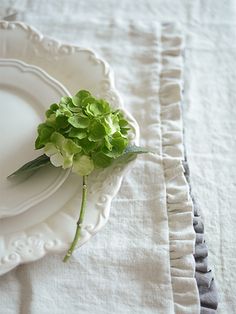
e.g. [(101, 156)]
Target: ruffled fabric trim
[(204, 276), (178, 200), (194, 289)]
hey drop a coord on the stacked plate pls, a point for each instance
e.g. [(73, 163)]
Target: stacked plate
[(38, 213)]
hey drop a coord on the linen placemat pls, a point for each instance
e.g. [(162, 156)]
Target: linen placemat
[(143, 260)]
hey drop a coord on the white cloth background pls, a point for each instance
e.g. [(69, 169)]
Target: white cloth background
[(209, 112)]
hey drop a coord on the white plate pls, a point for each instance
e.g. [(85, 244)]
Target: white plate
[(25, 93), (49, 226)]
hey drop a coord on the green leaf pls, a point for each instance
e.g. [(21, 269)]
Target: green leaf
[(31, 166), (136, 150), (131, 152)]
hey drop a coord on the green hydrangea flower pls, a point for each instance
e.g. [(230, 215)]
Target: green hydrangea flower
[(82, 133)]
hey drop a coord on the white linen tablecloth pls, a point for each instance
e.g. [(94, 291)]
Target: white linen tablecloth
[(142, 262), (209, 120)]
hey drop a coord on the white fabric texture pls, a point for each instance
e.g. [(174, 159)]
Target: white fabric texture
[(209, 121), (143, 261)]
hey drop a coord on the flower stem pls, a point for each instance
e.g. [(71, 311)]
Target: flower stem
[(79, 222)]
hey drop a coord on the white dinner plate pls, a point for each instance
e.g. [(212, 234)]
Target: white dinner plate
[(25, 94), (49, 226)]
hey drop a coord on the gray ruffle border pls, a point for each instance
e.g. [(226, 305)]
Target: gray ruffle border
[(204, 276)]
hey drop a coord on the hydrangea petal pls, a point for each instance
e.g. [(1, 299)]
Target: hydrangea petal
[(44, 134), (76, 100), (83, 165), (65, 100), (50, 149), (78, 133), (57, 139), (97, 132), (57, 160), (67, 161), (71, 147), (83, 94), (111, 123), (101, 160), (79, 122)]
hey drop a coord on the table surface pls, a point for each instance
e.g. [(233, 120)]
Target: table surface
[(209, 107)]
